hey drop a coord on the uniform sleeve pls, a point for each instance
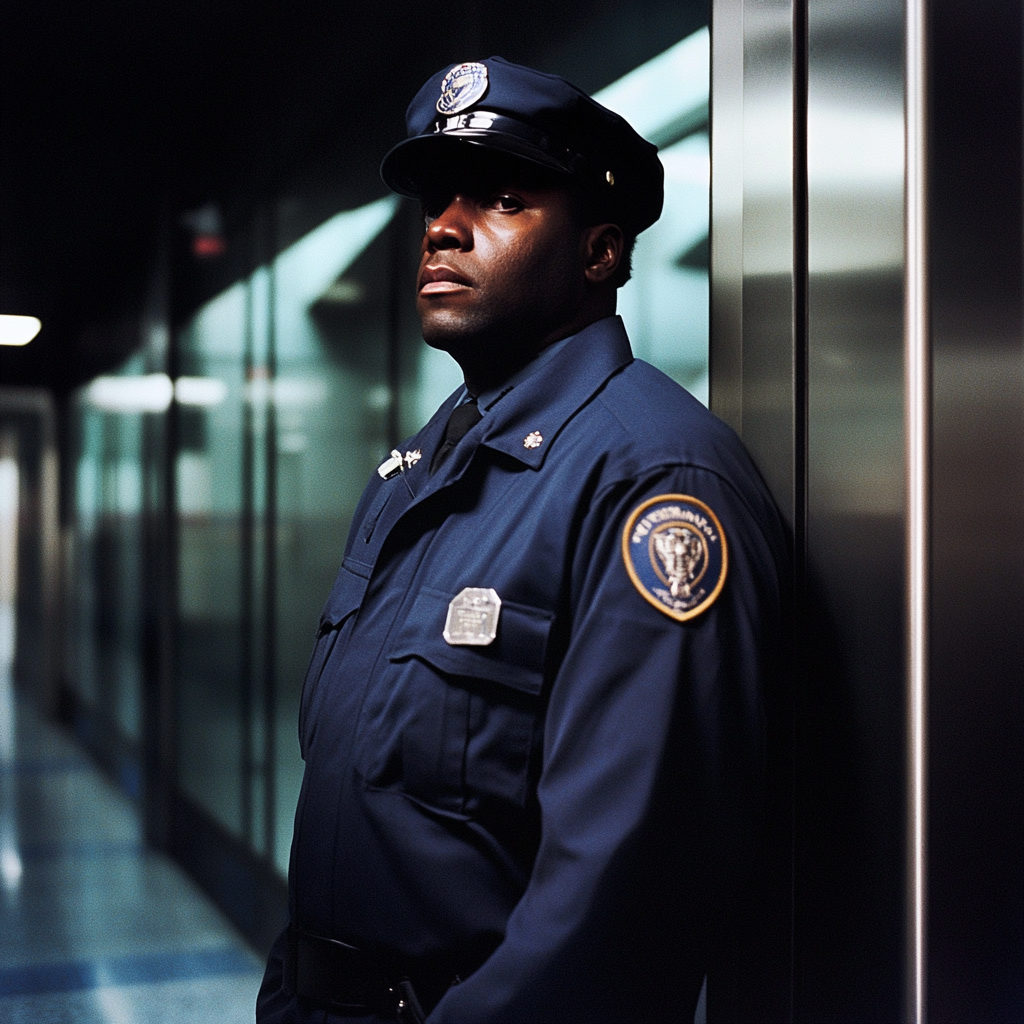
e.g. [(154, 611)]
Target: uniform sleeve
[(651, 786)]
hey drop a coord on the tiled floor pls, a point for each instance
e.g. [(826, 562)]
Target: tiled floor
[(93, 926)]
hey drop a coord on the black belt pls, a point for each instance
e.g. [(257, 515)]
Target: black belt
[(349, 982)]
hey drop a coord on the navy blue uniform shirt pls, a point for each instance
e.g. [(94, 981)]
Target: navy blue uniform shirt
[(562, 817)]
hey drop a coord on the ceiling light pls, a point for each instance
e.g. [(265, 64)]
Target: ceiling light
[(149, 393), (18, 330), (203, 391)]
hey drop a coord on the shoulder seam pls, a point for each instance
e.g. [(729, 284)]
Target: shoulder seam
[(663, 470)]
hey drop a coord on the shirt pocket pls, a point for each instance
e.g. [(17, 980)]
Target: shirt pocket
[(336, 619), (472, 717)]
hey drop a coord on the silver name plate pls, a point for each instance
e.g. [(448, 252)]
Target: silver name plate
[(473, 617)]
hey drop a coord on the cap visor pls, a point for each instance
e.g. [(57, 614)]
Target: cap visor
[(414, 163)]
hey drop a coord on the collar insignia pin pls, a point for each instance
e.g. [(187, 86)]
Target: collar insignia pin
[(533, 440), (411, 458)]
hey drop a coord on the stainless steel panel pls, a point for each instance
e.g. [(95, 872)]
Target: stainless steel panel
[(976, 698), (908, 808), (819, 402), (726, 345), (756, 340), (752, 233), (851, 770)]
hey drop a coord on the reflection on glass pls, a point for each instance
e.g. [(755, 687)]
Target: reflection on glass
[(665, 304), (332, 402), (106, 582), (10, 859), (129, 393), (208, 486)]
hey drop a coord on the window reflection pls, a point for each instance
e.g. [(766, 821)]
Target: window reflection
[(665, 305), (210, 631)]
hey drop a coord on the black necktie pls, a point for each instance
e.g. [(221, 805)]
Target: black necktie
[(463, 418)]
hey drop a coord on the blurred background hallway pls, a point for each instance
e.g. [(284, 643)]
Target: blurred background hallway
[(95, 928)]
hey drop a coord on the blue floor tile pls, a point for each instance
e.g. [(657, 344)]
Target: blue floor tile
[(94, 927), (145, 969)]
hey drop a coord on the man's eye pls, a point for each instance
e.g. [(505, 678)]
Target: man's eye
[(505, 203)]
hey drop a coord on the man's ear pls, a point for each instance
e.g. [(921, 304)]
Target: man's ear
[(603, 245)]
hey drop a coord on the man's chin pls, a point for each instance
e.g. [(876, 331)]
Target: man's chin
[(443, 342), (450, 334)]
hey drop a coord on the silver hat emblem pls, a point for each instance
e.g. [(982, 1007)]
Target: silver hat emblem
[(462, 87)]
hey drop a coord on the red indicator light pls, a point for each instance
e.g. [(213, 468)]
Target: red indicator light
[(206, 246)]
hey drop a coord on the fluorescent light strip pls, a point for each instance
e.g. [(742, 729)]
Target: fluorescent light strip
[(18, 330), (152, 392), (149, 393)]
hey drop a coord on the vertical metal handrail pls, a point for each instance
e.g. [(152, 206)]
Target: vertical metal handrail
[(917, 368)]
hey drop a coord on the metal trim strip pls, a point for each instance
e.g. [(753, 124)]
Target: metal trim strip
[(917, 369)]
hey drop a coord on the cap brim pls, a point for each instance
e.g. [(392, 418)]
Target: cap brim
[(414, 163)]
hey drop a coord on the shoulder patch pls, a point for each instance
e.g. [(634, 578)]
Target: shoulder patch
[(676, 555)]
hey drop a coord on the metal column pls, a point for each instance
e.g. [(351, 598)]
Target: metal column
[(903, 488)]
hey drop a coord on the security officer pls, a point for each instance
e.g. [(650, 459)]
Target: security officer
[(533, 721)]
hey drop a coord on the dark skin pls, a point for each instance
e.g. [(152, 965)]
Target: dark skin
[(507, 268)]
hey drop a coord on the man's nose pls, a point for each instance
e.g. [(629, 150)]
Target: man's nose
[(451, 229)]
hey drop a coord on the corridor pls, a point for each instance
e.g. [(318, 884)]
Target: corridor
[(94, 927)]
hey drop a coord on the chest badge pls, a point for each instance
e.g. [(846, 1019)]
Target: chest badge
[(533, 439), (676, 555), (473, 617), (462, 87)]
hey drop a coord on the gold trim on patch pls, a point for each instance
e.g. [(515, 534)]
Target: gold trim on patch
[(681, 615)]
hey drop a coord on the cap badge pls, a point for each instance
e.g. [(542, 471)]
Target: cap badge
[(533, 440), (462, 87), (675, 554)]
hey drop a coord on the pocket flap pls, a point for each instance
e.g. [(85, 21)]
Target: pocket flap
[(346, 596), (515, 658)]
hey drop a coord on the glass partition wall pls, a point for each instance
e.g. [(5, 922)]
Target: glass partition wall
[(284, 390)]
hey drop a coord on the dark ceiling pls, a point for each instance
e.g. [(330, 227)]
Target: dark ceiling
[(115, 117)]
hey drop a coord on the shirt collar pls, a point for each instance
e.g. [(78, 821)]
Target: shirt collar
[(537, 408), (528, 418), (488, 398)]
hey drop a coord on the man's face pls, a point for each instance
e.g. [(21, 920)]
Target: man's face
[(501, 266)]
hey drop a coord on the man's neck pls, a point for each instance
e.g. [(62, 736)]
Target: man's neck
[(493, 373)]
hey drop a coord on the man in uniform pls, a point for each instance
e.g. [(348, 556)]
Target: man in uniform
[(533, 722)]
